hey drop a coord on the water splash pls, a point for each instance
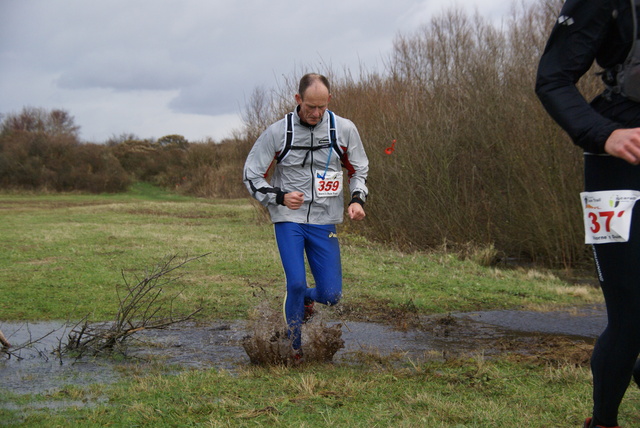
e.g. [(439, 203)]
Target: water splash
[(267, 342)]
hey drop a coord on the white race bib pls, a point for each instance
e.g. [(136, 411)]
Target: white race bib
[(330, 185), (607, 215)]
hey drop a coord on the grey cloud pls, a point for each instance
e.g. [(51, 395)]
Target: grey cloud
[(221, 91), (212, 101), (208, 55), (126, 71)]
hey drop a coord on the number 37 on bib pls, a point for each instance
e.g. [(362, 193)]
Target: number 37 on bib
[(607, 215)]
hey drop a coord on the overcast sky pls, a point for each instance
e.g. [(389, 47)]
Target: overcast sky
[(158, 67)]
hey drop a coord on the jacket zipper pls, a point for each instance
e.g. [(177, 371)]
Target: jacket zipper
[(313, 178)]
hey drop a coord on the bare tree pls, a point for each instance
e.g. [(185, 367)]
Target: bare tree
[(55, 122)]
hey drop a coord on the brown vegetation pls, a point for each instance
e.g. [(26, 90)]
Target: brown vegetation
[(477, 161), (39, 149)]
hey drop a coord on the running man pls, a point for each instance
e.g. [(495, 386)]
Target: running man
[(608, 129), (309, 149)]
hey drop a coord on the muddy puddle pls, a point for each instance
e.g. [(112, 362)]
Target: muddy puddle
[(219, 344)]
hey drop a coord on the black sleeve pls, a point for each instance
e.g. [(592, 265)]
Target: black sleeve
[(578, 35)]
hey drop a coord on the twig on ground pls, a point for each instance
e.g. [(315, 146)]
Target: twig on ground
[(142, 306)]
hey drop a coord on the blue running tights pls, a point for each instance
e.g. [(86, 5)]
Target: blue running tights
[(320, 244)]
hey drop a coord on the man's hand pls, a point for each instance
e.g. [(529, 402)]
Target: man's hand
[(624, 144), (356, 212), (293, 200)]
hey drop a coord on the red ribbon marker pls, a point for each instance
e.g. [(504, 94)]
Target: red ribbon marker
[(390, 150)]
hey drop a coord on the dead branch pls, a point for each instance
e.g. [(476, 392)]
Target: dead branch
[(142, 306)]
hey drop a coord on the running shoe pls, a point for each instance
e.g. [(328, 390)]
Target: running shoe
[(587, 424), (297, 357)]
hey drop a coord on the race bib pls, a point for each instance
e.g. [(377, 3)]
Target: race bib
[(607, 215), (328, 183)]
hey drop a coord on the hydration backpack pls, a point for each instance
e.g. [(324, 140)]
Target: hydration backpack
[(289, 133), (627, 74)]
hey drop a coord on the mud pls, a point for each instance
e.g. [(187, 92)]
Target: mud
[(543, 337)]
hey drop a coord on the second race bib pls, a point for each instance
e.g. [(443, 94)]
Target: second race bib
[(607, 215)]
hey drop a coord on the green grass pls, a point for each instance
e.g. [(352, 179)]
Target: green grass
[(63, 256), (468, 393)]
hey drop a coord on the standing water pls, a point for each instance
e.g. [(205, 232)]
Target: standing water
[(229, 345)]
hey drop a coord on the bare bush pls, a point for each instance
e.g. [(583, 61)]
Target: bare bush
[(478, 162), (143, 305), (481, 162), (214, 170)]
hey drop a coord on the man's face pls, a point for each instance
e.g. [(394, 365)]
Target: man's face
[(313, 103)]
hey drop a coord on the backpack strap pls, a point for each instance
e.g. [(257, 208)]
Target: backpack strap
[(288, 138), (634, 15), (333, 136), (614, 77)]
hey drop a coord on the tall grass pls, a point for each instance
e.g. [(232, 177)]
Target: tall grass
[(477, 160)]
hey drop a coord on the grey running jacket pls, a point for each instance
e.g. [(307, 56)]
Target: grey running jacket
[(310, 154)]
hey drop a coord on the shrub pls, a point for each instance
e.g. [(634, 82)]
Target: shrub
[(40, 150)]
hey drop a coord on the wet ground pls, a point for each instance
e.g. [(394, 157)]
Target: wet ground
[(566, 335)]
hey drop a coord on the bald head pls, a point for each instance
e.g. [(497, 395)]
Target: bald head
[(313, 98), (311, 79)]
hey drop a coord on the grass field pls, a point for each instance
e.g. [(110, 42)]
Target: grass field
[(63, 256)]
